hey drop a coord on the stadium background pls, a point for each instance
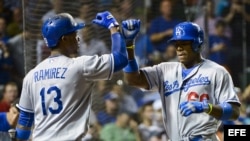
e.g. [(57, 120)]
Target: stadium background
[(145, 10), (34, 50)]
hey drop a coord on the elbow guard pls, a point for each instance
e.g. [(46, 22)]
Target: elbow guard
[(227, 111)]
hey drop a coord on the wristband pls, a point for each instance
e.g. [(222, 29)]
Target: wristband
[(227, 111), (131, 67), (130, 47), (210, 108)]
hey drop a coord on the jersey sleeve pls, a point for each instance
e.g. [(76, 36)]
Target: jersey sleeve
[(97, 67), (224, 90), (152, 75), (25, 102)]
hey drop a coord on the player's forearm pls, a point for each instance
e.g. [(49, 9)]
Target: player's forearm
[(130, 49), (132, 75), (118, 51), (217, 112), (24, 125)]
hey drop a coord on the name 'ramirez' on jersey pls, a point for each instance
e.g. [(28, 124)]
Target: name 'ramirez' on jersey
[(50, 73)]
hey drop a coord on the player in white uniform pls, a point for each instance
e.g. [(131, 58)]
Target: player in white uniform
[(196, 93), (56, 94)]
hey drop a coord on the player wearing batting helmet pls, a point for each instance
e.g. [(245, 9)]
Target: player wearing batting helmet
[(196, 93), (56, 94)]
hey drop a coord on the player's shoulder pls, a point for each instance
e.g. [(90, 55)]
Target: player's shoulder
[(213, 66), (28, 77), (169, 64)]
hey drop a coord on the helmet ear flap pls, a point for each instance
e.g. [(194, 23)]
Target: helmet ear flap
[(197, 45)]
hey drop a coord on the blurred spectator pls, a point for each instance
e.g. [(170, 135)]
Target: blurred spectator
[(3, 35), (56, 8), (146, 127), (16, 25), (170, 54), (89, 44), (108, 115), (246, 99), (105, 4), (10, 94), (236, 13), (207, 21), (86, 14), (8, 121), (100, 89), (219, 45), (126, 9), (124, 129), (144, 47), (161, 28), (126, 101), (6, 64), (158, 117), (5, 11), (211, 19), (93, 129), (15, 45), (12, 4)]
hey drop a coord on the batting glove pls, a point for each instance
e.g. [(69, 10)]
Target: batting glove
[(189, 107), (130, 28), (105, 19)]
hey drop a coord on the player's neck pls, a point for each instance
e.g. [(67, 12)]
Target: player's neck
[(57, 52), (194, 63)]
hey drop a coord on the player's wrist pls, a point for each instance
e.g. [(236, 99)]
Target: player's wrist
[(130, 47), (129, 42), (209, 109)]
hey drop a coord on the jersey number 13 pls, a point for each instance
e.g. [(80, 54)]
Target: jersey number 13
[(57, 100)]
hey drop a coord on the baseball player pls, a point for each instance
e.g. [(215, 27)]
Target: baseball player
[(196, 93), (56, 93)]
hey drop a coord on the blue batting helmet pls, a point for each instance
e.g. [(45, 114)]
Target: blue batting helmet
[(188, 31), (55, 27)]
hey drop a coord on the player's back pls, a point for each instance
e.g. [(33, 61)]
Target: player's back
[(59, 89)]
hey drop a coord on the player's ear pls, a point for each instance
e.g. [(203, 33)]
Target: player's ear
[(63, 38)]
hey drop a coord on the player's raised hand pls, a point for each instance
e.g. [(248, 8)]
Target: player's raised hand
[(189, 107), (130, 28), (105, 19)]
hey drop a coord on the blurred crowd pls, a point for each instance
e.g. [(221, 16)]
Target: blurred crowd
[(120, 112)]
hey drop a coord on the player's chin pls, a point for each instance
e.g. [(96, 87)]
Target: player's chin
[(182, 59)]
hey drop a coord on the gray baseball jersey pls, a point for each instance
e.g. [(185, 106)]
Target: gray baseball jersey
[(58, 91), (207, 80)]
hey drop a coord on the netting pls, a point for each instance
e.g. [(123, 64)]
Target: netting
[(36, 11)]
